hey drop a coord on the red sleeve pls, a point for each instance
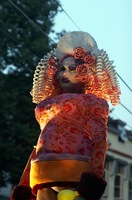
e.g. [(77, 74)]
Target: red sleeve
[(96, 112)]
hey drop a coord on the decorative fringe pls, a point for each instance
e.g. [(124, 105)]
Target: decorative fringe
[(43, 86)]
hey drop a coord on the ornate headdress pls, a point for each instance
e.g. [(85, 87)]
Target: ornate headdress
[(96, 70)]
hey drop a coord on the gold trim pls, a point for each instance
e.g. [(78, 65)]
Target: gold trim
[(60, 170)]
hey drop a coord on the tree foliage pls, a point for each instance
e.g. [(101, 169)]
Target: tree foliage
[(21, 46)]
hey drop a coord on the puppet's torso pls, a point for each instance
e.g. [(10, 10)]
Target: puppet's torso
[(70, 125)]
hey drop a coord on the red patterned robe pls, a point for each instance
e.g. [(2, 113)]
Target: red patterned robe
[(73, 138)]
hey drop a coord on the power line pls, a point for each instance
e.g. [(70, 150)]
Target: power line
[(80, 30), (34, 24), (30, 20), (68, 15), (14, 40), (126, 108), (55, 43), (7, 34), (124, 82), (120, 119), (116, 73)]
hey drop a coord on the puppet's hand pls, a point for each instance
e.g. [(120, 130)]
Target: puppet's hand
[(91, 187), (22, 192)]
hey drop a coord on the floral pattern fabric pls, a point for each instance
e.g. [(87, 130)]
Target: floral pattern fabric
[(71, 125)]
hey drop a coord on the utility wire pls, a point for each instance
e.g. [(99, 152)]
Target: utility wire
[(124, 82), (14, 40), (126, 108), (68, 15), (116, 72), (39, 58), (111, 113), (80, 30), (34, 24), (30, 20), (7, 34)]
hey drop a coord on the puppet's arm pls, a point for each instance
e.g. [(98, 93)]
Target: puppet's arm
[(98, 158), (92, 184)]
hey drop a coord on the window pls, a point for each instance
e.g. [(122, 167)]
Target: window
[(130, 185), (118, 187), (106, 171), (130, 189)]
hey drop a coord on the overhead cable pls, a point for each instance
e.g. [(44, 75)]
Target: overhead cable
[(30, 20), (116, 72), (14, 40), (124, 82), (68, 15), (34, 24)]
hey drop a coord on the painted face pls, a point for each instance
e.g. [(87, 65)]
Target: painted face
[(67, 76)]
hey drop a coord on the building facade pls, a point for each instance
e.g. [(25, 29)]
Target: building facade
[(118, 165)]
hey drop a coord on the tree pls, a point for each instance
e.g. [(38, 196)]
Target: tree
[(21, 46)]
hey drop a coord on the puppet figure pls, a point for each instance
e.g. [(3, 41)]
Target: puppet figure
[(71, 87)]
